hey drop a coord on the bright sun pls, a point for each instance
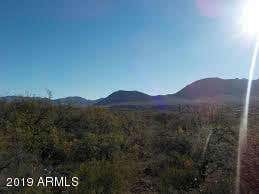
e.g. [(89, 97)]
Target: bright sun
[(250, 18)]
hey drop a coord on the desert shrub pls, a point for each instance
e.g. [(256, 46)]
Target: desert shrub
[(220, 187), (101, 177), (113, 151), (179, 179)]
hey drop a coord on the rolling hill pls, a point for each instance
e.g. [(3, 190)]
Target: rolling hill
[(212, 87), (75, 101), (209, 90), (122, 97)]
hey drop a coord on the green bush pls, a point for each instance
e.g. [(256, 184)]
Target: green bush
[(101, 177), (179, 179)]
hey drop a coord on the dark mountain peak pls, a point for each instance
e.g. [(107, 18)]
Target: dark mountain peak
[(128, 93), (72, 98), (75, 100), (211, 87), (123, 96)]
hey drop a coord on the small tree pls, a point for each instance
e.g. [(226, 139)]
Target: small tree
[(49, 94)]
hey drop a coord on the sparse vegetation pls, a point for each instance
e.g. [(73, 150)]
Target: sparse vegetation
[(118, 151)]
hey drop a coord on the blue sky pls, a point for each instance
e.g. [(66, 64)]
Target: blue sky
[(91, 48)]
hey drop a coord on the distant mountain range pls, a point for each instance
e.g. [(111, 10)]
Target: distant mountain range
[(209, 90), (76, 101)]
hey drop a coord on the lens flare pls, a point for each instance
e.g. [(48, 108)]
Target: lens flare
[(250, 26), (250, 18), (244, 119)]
